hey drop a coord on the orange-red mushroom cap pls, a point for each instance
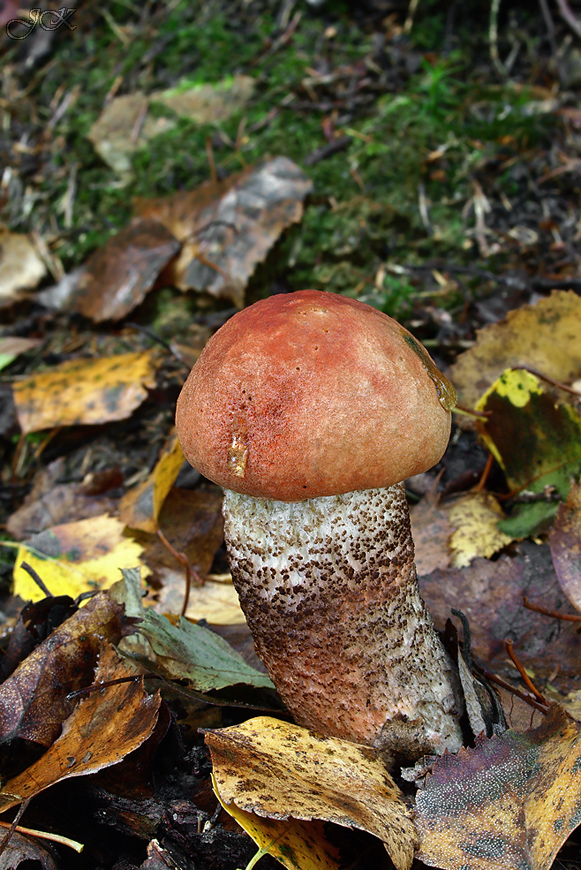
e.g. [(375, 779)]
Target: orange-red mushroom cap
[(311, 394)]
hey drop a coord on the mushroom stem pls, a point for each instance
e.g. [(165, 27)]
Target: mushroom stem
[(328, 586)]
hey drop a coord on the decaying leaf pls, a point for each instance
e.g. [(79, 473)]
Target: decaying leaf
[(84, 391), (296, 844), (475, 518), (33, 701), (21, 267), (565, 544), (75, 557), (545, 336), (208, 102), (51, 503), (103, 728), (22, 849), (512, 801), (117, 277), (228, 227), (197, 655), (281, 771), (141, 506), (535, 435)]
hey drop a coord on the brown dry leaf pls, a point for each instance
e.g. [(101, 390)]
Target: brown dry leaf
[(565, 544), (475, 517), (228, 227), (431, 530), (296, 845), (490, 594), (512, 801), (11, 346), (75, 557), (545, 336), (33, 701), (21, 266), (278, 770), (103, 728), (117, 277), (192, 521), (84, 391), (141, 506), (50, 503)]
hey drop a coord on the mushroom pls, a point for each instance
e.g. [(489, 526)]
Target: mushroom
[(310, 409)]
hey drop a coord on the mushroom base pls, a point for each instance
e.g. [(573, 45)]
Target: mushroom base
[(328, 586)]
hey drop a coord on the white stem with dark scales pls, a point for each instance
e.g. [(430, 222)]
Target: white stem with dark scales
[(328, 586)]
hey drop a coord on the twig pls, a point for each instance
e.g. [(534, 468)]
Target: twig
[(549, 380), (37, 579), (508, 645), (46, 835), (546, 611), (492, 678), (191, 573)]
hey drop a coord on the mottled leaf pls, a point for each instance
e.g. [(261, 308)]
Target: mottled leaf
[(512, 801), (84, 391), (565, 544), (278, 770)]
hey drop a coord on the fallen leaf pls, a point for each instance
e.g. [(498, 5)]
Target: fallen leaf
[(11, 346), (113, 135), (227, 227), (535, 435), (22, 849), (141, 506), (545, 336), (33, 701), (21, 266), (207, 103), (50, 503), (75, 557), (216, 601), (297, 845), (84, 392), (490, 594), (475, 517), (431, 531), (197, 655), (278, 770), (117, 277), (512, 801), (103, 728), (565, 544)]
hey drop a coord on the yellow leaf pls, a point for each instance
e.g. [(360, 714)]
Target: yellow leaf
[(141, 506), (296, 844), (278, 770), (85, 391), (75, 557), (475, 517)]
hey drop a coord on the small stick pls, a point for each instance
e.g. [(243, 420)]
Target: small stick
[(556, 614), (37, 579), (191, 574), (492, 678), (526, 679)]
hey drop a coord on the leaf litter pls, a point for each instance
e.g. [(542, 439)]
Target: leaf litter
[(510, 799)]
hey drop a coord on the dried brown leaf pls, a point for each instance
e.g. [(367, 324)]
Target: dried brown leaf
[(103, 728), (565, 544)]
